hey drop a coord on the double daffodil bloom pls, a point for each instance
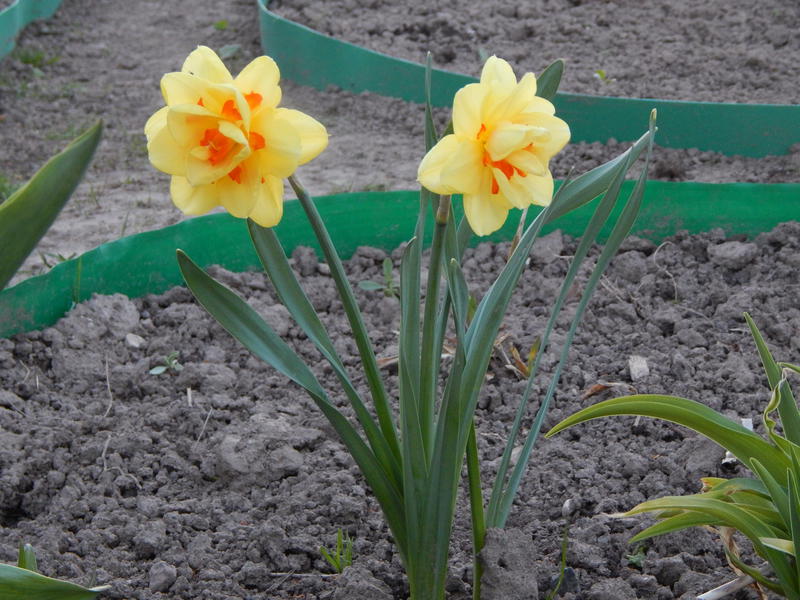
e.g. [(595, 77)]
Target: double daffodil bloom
[(225, 141), (503, 138)]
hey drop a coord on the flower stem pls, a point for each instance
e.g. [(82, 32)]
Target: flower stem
[(429, 360), (350, 305), (476, 507)]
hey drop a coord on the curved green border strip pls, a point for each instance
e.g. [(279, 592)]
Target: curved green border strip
[(14, 18), (311, 58), (145, 264)]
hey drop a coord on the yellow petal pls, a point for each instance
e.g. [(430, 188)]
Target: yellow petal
[(268, 208), (524, 191), (193, 200), (468, 110), (204, 63), (485, 212), (282, 144), (527, 162), (506, 138), (429, 173), (165, 154), (462, 171), (313, 135), (523, 100), (156, 122), (188, 122), (182, 88), (261, 77), (552, 135), (497, 72), (239, 198)]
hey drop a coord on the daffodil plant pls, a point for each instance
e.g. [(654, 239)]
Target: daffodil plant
[(765, 508), (225, 142)]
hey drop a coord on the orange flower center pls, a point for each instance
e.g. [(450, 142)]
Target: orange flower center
[(229, 111), (505, 167), (236, 174), (253, 100), (219, 145)]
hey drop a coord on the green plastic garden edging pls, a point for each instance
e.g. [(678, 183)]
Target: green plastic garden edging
[(311, 58), (14, 18), (145, 263)]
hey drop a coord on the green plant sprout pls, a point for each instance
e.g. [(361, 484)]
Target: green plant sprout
[(389, 286), (24, 582), (341, 556), (637, 557), (221, 25), (170, 363), (35, 58), (51, 259), (764, 508)]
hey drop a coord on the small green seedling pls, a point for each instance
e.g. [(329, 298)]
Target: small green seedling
[(221, 25), (23, 582), (637, 558), (389, 286), (229, 51), (170, 364), (342, 556)]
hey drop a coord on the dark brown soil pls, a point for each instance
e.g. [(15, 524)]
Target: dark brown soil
[(222, 480)]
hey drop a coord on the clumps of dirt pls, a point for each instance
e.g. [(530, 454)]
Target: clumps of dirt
[(221, 480), (722, 51)]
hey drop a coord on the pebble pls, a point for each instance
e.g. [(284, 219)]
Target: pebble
[(637, 365), (162, 576), (134, 341), (733, 255)]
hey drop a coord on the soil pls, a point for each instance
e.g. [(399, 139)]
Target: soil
[(720, 51), (222, 480), (99, 59), (227, 490)]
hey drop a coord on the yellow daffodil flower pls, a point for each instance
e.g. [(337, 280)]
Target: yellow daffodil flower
[(499, 152), (225, 141)]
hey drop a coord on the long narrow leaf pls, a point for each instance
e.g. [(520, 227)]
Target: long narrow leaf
[(29, 212), (787, 406), (620, 231), (603, 210), (22, 584), (383, 441), (740, 441), (253, 333), (345, 290), (732, 516)]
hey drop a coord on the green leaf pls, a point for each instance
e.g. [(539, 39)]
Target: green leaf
[(502, 494), (229, 51), (740, 441), (681, 520), (370, 286), (384, 441), (786, 404), (786, 546), (29, 212), (548, 81), (21, 584), (431, 137), (253, 333), (27, 558)]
